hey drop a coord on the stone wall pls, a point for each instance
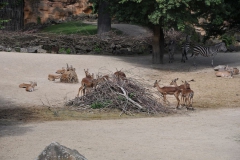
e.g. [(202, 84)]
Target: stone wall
[(44, 11)]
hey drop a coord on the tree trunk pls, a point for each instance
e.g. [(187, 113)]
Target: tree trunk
[(104, 18), (161, 44), (158, 45)]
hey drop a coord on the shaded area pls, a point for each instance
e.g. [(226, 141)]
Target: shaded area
[(231, 59)]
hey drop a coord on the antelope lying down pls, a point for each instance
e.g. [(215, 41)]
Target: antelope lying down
[(29, 87), (225, 74), (52, 77)]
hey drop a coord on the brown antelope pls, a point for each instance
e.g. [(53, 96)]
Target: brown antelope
[(31, 87), (120, 75), (88, 83), (186, 92), (234, 71), (225, 74), (61, 71), (52, 77), (168, 91), (88, 75), (24, 85)]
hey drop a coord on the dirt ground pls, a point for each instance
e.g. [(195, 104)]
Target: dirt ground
[(210, 132)]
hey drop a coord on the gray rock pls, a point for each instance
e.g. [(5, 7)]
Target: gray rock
[(23, 50), (55, 151), (2, 48), (8, 49), (31, 50), (40, 50)]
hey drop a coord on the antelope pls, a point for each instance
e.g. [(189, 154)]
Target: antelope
[(168, 91), (24, 85), (31, 87), (234, 71), (186, 92), (61, 71), (52, 77), (120, 75), (90, 83), (225, 74), (88, 75), (87, 82)]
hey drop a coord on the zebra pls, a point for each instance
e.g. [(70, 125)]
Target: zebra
[(185, 48), (171, 49), (210, 51)]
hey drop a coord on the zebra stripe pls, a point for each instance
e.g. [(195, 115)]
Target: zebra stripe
[(210, 51), (186, 48)]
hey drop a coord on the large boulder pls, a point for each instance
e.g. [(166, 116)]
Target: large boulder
[(55, 151)]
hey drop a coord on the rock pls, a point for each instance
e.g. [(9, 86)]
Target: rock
[(8, 49), (40, 50), (23, 50), (32, 49), (44, 11), (2, 48), (55, 151), (220, 67)]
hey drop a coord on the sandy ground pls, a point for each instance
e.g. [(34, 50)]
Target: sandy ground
[(203, 134), (208, 135)]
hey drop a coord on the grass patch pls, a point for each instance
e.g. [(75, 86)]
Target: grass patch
[(40, 114), (76, 27)]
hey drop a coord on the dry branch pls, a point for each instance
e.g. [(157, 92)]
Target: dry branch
[(129, 96)]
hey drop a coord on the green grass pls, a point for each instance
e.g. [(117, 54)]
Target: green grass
[(72, 28)]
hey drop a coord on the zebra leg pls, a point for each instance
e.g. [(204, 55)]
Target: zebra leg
[(183, 57), (194, 63), (169, 54)]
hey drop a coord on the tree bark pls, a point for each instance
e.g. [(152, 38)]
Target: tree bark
[(158, 45), (104, 18)]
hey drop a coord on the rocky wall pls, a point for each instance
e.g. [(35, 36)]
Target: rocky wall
[(44, 11)]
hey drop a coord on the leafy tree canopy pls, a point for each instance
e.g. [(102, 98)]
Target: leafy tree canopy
[(177, 13)]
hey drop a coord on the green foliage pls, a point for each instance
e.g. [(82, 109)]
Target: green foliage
[(69, 51), (228, 39), (72, 28), (98, 105), (3, 4), (97, 48), (39, 21), (63, 50), (222, 16)]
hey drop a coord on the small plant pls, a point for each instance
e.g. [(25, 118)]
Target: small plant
[(98, 105), (97, 49), (68, 51), (39, 20), (131, 95), (228, 39), (62, 50)]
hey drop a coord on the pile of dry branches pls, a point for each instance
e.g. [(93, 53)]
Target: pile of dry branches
[(130, 96)]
